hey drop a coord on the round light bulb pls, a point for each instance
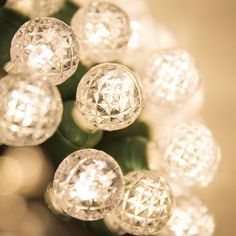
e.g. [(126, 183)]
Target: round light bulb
[(108, 98), (88, 184), (35, 8), (171, 78), (47, 47), (190, 154), (103, 29), (30, 110), (146, 205), (190, 217)]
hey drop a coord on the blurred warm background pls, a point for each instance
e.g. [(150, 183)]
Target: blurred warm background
[(207, 29)]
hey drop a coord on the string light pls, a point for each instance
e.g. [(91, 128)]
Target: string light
[(35, 8), (190, 217), (108, 98), (30, 110), (146, 205), (47, 47), (171, 78), (103, 29), (190, 153), (88, 184)]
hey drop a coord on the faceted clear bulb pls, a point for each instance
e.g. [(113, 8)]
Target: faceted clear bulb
[(103, 29), (46, 47), (30, 110), (170, 78), (108, 98), (88, 184), (146, 205), (190, 154), (190, 217), (35, 8)]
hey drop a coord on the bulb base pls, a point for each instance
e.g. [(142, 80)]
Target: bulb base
[(81, 122)]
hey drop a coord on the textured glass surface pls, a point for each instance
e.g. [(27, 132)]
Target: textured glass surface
[(190, 153), (109, 97), (190, 218), (146, 205), (35, 8), (48, 47), (103, 29), (171, 77), (88, 184), (30, 110)]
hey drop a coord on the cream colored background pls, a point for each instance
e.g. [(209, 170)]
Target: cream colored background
[(207, 28)]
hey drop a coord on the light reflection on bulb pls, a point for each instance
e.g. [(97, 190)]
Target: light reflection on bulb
[(30, 110), (190, 153), (103, 30), (46, 47), (88, 184), (190, 217), (108, 98)]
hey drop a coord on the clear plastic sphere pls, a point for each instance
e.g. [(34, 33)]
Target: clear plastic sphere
[(171, 77), (30, 110), (190, 218), (108, 98), (35, 8), (146, 205), (47, 47), (103, 29), (190, 154), (88, 184)]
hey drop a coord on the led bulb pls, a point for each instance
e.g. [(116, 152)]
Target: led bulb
[(190, 217), (103, 29), (190, 154), (35, 8), (171, 78), (47, 47), (88, 184), (30, 110), (108, 98), (146, 205)]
